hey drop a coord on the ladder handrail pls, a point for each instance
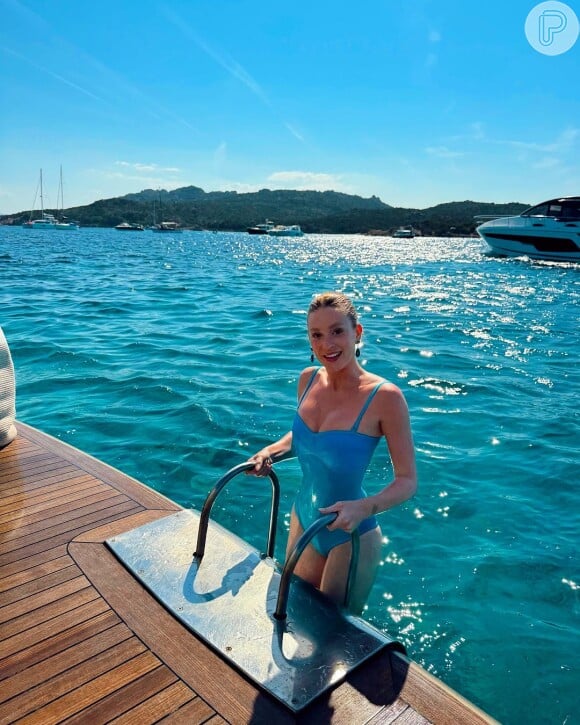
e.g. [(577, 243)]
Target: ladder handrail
[(296, 553), (213, 494)]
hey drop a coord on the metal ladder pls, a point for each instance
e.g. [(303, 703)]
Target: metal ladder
[(293, 557)]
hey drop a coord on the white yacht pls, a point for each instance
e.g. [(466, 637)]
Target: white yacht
[(261, 228), (404, 233), (550, 230), (282, 231)]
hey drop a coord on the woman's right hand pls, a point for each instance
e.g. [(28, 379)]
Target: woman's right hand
[(262, 463)]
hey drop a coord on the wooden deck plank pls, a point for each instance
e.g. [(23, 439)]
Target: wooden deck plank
[(62, 661), (388, 715), (13, 470), (432, 698), (20, 528), (31, 588), (48, 611), (70, 502), (195, 712), (47, 489), (33, 543), (33, 573), (82, 697), (410, 717), (51, 468), (158, 707), (66, 694), (39, 642), (31, 561), (42, 599), (127, 698)]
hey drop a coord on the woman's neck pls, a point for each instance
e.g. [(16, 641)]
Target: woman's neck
[(348, 377)]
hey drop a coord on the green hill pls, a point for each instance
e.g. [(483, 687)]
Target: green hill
[(315, 211)]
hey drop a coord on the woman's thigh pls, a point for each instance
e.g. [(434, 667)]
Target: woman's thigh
[(335, 574), (311, 564)]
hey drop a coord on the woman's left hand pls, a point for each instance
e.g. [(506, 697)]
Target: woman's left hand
[(350, 514)]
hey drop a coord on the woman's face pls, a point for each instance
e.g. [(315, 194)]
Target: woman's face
[(332, 336)]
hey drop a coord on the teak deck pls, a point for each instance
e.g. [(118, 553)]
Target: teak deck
[(82, 642)]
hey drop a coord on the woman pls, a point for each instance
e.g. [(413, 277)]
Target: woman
[(343, 412)]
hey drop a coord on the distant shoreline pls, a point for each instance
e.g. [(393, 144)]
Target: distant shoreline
[(316, 212)]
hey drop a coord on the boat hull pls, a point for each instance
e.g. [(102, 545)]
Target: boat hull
[(519, 240), (293, 231), (130, 228)]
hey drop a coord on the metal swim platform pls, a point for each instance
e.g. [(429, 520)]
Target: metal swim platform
[(279, 631)]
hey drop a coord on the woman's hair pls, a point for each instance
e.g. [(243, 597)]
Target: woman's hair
[(336, 300)]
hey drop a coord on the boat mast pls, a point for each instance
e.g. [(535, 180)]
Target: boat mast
[(60, 196), (41, 198)]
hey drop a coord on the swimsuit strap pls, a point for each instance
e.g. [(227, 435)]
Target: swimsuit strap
[(308, 386), (366, 405)]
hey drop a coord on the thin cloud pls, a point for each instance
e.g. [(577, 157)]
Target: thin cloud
[(547, 163), (52, 74), (155, 182), (303, 180), (294, 132), (148, 167), (443, 152), (220, 154), (78, 57), (478, 130), (229, 64), (563, 143)]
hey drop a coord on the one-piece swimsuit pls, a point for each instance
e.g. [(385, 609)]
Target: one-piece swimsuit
[(333, 464)]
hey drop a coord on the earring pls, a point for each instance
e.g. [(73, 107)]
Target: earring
[(311, 356), (357, 348)]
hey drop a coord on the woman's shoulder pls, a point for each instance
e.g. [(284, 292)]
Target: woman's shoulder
[(390, 397), (309, 371), (305, 377)]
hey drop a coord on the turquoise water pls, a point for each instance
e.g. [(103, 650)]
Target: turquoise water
[(175, 357)]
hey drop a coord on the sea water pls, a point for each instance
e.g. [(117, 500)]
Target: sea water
[(175, 357)]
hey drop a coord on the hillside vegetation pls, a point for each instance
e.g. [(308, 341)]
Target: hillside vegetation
[(315, 211)]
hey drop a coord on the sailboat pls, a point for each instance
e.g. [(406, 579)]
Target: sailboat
[(163, 226), (62, 223), (46, 221), (49, 221)]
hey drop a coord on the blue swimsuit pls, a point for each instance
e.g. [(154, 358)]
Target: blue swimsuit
[(333, 464)]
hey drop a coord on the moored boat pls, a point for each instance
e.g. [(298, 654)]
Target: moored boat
[(126, 227), (47, 220), (261, 228), (404, 233), (167, 227), (547, 231), (286, 231)]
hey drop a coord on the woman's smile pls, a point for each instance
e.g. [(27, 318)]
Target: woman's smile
[(332, 356)]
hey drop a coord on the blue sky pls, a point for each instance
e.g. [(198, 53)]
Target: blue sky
[(418, 102)]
